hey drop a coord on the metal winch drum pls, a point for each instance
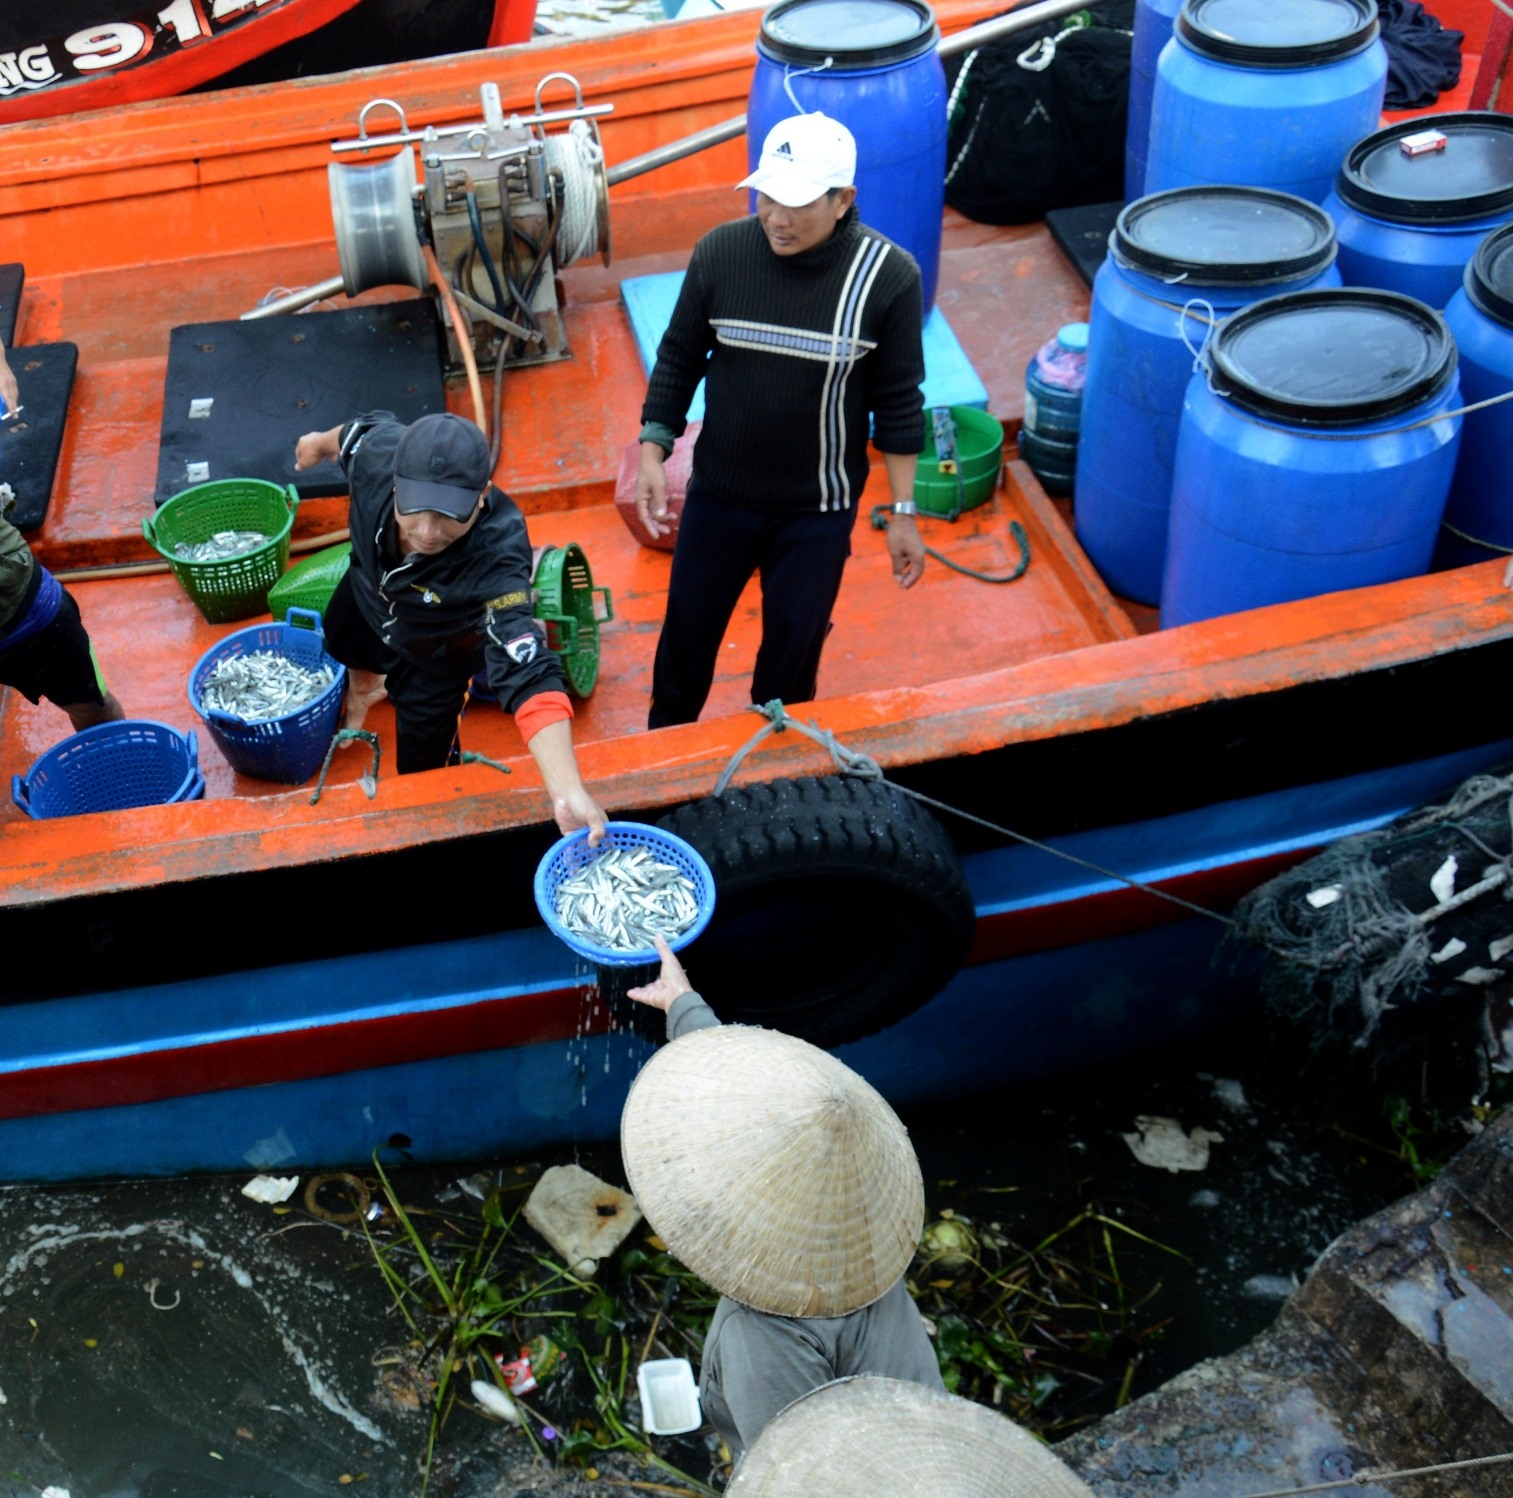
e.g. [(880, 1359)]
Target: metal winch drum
[(504, 203)]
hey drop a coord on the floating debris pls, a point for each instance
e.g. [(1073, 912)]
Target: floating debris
[(270, 1189), (221, 547), (262, 684), (624, 898)]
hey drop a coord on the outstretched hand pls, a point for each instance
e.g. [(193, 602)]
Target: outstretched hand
[(668, 985)]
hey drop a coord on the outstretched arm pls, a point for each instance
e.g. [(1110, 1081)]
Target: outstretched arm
[(8, 384), (316, 447), (572, 806)]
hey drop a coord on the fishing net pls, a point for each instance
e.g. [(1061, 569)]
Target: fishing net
[(1399, 942)]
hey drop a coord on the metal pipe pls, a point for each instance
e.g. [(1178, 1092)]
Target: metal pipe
[(297, 299), (405, 137), (689, 145), (1016, 20), (963, 41)]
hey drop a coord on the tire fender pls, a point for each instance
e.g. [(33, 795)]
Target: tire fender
[(841, 905)]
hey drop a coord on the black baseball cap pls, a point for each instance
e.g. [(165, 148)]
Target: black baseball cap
[(441, 464)]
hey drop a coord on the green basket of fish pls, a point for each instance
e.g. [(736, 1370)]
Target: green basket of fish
[(309, 584), (227, 542), (607, 902)]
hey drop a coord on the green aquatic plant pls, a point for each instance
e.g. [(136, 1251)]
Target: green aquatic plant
[(473, 1292), (1037, 1329)]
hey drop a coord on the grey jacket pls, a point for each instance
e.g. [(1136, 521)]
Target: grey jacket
[(756, 1364)]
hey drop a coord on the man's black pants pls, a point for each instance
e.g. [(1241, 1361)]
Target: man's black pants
[(428, 696), (800, 559)]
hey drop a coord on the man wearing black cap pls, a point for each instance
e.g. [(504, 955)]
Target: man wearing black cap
[(440, 588)]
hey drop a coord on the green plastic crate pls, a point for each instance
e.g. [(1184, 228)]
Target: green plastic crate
[(565, 602), (309, 584)]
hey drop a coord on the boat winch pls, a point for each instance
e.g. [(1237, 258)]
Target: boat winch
[(503, 201)]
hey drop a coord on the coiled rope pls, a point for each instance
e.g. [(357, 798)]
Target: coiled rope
[(578, 155)]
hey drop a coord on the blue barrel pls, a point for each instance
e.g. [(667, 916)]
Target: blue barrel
[(872, 65), (1265, 93), (1053, 385), (1302, 467), (1480, 315), (1412, 222), (1153, 30), (1177, 262)]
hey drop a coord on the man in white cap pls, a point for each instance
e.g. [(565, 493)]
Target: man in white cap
[(782, 1179), (439, 588), (806, 326)]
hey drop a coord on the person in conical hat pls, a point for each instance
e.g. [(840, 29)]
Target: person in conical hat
[(860, 1437), (785, 1181)]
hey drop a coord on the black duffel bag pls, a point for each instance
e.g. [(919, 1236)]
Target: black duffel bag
[(1038, 118)]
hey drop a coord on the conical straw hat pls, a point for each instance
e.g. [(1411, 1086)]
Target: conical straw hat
[(861, 1437), (773, 1171)]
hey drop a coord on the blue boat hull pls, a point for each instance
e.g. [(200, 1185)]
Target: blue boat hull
[(494, 1045)]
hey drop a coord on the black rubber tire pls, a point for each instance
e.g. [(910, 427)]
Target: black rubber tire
[(840, 906)]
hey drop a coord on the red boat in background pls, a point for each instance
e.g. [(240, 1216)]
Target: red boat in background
[(96, 54)]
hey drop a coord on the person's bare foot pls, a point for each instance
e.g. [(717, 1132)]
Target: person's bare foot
[(364, 690)]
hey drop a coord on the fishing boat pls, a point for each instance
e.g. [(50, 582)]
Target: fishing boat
[(275, 977), (98, 54)]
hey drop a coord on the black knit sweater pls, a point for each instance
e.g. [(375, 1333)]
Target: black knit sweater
[(799, 351)]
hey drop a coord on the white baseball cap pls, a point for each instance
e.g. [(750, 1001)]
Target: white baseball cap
[(803, 157)]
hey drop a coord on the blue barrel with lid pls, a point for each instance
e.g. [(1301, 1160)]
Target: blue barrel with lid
[(1265, 93), (872, 65), (1315, 453), (1177, 262), (1153, 30), (1053, 385), (1412, 202), (1479, 516)]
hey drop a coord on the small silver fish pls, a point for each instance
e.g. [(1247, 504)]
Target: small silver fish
[(624, 897), (221, 547), (261, 685)]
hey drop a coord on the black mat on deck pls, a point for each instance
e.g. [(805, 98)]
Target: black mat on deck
[(1083, 234), (12, 278), (272, 380), (31, 440)]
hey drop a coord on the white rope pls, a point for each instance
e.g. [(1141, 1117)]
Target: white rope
[(790, 73), (580, 159)]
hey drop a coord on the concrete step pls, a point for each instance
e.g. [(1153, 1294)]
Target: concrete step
[(1396, 1352)]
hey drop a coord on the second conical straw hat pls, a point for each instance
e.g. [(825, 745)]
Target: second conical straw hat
[(773, 1171), (859, 1437)]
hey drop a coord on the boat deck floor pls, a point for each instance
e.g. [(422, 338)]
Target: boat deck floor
[(1004, 290)]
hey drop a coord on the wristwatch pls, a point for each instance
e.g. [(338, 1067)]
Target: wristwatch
[(905, 507)]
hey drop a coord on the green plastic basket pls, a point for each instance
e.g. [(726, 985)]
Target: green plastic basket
[(566, 602), (309, 584), (237, 587), (979, 456)]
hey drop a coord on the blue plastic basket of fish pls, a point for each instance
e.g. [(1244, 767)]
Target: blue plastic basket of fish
[(271, 697), (607, 902), (109, 767)]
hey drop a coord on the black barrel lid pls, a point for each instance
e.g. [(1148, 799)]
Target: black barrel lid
[(853, 33), (1278, 33), (1470, 177), (1225, 236), (1333, 357), (1489, 276)]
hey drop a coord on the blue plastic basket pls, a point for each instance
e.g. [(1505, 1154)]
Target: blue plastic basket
[(571, 855), (111, 766), (288, 749)]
